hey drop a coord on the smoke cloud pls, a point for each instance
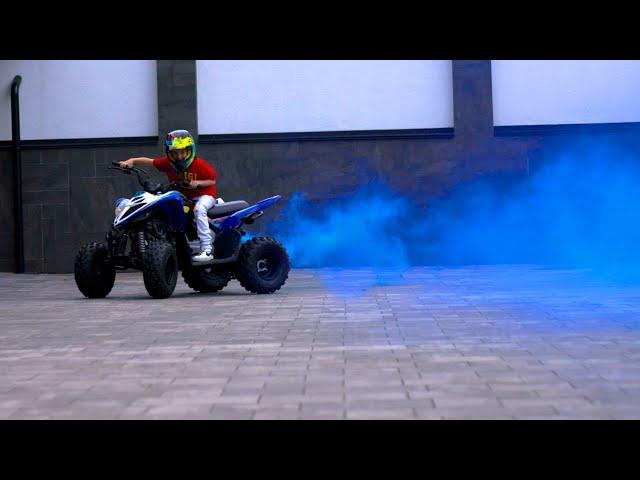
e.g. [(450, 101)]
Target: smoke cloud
[(579, 209)]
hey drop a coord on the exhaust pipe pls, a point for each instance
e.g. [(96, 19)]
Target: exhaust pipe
[(17, 174)]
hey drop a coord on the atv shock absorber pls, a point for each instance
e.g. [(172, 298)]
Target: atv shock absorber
[(141, 242)]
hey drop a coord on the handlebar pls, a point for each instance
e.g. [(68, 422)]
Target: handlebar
[(128, 169), (145, 183), (180, 184)]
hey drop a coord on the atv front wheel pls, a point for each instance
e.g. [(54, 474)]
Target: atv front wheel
[(263, 265), (94, 274), (160, 269), (206, 279)]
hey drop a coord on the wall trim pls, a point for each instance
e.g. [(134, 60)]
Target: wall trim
[(80, 143), (422, 133), (566, 129)]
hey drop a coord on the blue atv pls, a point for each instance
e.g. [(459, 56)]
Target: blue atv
[(155, 232)]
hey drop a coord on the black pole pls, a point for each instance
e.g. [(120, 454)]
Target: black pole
[(17, 174)]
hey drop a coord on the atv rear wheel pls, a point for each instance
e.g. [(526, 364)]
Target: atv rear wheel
[(160, 269), (263, 265), (93, 272), (206, 279)]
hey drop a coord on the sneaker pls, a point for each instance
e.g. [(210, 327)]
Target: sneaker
[(203, 256)]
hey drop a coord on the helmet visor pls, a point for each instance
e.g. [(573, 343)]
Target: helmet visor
[(179, 139)]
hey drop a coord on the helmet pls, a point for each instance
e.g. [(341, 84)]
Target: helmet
[(177, 140)]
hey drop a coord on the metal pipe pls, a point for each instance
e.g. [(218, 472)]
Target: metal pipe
[(17, 174)]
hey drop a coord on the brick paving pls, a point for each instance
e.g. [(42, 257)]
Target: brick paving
[(475, 342)]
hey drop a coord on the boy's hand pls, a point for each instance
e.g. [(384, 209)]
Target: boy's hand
[(127, 163), (194, 183)]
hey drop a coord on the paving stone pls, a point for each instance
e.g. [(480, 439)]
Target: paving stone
[(224, 413), (6, 413), (323, 410), (202, 393), (373, 394), (378, 414), (474, 415), (451, 401), (500, 342), (277, 414), (323, 415), (193, 412)]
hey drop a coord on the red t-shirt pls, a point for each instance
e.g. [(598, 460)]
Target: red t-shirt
[(198, 170)]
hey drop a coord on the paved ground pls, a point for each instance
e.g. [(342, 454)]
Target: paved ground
[(428, 343)]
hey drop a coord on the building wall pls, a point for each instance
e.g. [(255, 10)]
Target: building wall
[(71, 113), (68, 192), (552, 92), (422, 168), (70, 99), (240, 96)]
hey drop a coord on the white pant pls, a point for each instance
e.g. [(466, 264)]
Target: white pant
[(205, 234)]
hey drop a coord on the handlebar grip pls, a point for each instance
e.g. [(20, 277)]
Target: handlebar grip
[(179, 184), (116, 163)]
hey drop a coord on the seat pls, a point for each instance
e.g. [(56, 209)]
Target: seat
[(227, 208)]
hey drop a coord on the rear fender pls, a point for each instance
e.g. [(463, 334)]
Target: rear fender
[(233, 221)]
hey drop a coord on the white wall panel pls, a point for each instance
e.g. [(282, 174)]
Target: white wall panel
[(322, 95), (81, 98), (548, 92)]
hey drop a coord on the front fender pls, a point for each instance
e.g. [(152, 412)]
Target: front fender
[(171, 207), (168, 206)]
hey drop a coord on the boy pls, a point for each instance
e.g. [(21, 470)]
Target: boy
[(181, 164)]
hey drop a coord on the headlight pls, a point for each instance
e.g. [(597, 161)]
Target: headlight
[(120, 205)]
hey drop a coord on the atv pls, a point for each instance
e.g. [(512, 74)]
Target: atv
[(155, 232)]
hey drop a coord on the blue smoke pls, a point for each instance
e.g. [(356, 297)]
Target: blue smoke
[(359, 231), (578, 209)]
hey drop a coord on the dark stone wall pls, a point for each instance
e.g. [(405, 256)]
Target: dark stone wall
[(420, 169), (68, 196), (177, 96), (7, 263)]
